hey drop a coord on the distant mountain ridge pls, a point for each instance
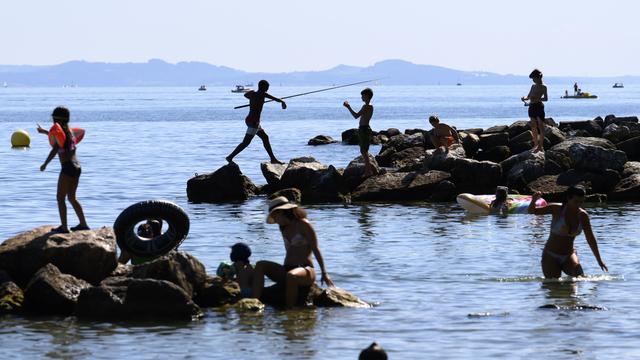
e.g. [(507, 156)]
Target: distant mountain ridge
[(157, 72)]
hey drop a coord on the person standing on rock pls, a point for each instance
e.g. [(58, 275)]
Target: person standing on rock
[(443, 135), (364, 130), (300, 243), (568, 221), (256, 102), (537, 95), (63, 142)]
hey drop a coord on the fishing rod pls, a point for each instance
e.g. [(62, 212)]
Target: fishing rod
[(313, 92)]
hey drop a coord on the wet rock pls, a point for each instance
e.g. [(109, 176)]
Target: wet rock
[(631, 148), (321, 140), (140, 299), (549, 187), (350, 137), (11, 298), (589, 126), (217, 292), (292, 194), (615, 133), (601, 182), (399, 186), (470, 143), (496, 129), (224, 185), (444, 191), (272, 173), (249, 305), (89, 255), (495, 154), (316, 181), (628, 189), (274, 295), (177, 267), (491, 140), (354, 172), (51, 292), (335, 297)]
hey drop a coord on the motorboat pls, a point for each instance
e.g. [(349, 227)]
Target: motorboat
[(241, 89), (618, 86), (580, 95), (202, 88)]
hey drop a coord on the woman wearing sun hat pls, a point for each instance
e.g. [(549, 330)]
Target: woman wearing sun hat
[(300, 242)]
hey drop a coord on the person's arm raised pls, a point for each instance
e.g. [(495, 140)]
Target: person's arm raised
[(311, 234), (591, 239), (539, 210), (284, 104), (353, 113)]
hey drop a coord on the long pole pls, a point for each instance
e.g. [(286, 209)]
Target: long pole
[(313, 92)]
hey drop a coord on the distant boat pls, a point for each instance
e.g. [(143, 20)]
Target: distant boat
[(618, 86), (202, 88), (241, 89), (459, 84), (582, 95)]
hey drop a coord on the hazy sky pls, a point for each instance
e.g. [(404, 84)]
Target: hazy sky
[(562, 37)]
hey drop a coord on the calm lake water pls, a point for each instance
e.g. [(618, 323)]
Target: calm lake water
[(446, 285)]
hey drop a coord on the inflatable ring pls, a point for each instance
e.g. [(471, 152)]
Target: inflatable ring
[(128, 239)]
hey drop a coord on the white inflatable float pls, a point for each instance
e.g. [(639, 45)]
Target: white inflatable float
[(479, 204)]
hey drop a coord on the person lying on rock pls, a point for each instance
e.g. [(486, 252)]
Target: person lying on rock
[(364, 130), (300, 242), (443, 135), (240, 269), (149, 230), (568, 221)]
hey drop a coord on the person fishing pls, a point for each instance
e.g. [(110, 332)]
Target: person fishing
[(63, 142), (537, 95), (568, 221), (364, 130), (256, 103), (300, 243)]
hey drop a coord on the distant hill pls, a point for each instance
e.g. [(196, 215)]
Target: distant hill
[(160, 73)]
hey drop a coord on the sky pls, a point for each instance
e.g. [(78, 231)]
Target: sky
[(561, 37)]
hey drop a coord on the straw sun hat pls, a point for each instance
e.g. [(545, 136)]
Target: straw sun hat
[(279, 203)]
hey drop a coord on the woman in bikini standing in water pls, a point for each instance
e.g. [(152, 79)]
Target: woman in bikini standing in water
[(569, 220), (63, 143), (300, 242)]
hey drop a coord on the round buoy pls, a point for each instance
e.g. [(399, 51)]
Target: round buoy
[(20, 138), (128, 239)]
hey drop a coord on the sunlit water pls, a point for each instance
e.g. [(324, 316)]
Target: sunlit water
[(446, 285)]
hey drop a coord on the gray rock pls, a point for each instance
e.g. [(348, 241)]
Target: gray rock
[(292, 194), (51, 292), (495, 154), (518, 128), (628, 189), (272, 173), (631, 168), (178, 267), (596, 158), (399, 186), (549, 187), (224, 185), (624, 120), (316, 181), (496, 129), (589, 126), (631, 148), (525, 136), (554, 135), (488, 141), (354, 172), (470, 143), (403, 141), (217, 292), (335, 297), (526, 171), (89, 255), (321, 140), (590, 147), (391, 132)]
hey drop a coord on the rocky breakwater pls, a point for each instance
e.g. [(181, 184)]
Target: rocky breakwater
[(47, 273)]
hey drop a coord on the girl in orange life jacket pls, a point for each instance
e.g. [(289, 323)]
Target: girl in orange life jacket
[(63, 141)]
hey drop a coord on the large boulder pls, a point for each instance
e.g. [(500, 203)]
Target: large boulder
[(495, 154), (491, 140), (530, 167), (292, 194), (588, 152), (476, 177), (139, 299), (595, 182), (51, 292), (321, 140), (631, 168), (628, 189), (352, 137), (272, 173), (224, 185), (335, 297), (399, 186), (631, 147), (589, 126), (217, 292), (316, 181), (470, 143), (622, 120), (615, 133), (554, 135), (178, 267), (496, 129), (353, 174), (313, 295), (525, 136), (548, 186), (390, 132), (518, 128), (89, 255), (409, 159), (404, 141)]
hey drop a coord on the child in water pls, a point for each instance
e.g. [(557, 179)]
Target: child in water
[(256, 102), (500, 205), (537, 95), (364, 130), (240, 269)]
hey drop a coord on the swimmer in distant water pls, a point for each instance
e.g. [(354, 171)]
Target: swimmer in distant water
[(568, 221), (256, 102), (443, 135), (537, 95), (63, 143), (300, 243)]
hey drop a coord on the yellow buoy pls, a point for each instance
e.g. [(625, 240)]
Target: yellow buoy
[(20, 138)]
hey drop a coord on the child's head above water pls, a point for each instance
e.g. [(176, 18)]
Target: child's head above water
[(240, 252), (501, 193), (367, 94), (263, 85)]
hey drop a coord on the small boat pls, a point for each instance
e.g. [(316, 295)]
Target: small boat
[(202, 88), (618, 86), (241, 89), (584, 95), (458, 84)]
